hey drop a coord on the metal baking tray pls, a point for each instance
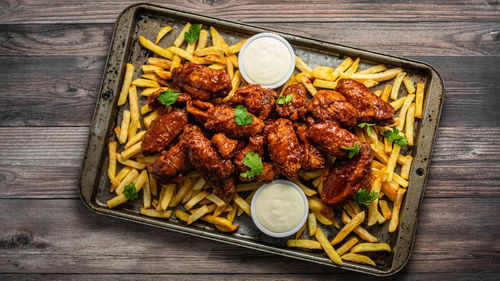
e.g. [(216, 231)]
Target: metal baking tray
[(146, 20)]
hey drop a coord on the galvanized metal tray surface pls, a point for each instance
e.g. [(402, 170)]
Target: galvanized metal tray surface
[(146, 20)]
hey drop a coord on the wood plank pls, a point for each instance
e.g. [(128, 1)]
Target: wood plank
[(402, 39), (70, 83), (46, 162), (75, 240), (50, 11)]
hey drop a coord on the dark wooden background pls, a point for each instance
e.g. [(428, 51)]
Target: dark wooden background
[(52, 55)]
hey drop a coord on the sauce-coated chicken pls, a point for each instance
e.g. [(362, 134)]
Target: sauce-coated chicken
[(255, 144), (163, 130), (170, 164), (283, 146), (297, 107), (260, 101), (226, 147), (313, 160), (332, 106), (347, 176), (201, 82), (370, 107), (329, 139)]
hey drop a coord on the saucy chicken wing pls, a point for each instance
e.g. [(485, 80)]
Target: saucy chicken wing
[(347, 176), (313, 159), (226, 147), (200, 152), (284, 148), (170, 164), (297, 107), (154, 103), (201, 82), (255, 144), (328, 106), (370, 107), (260, 101), (329, 139), (163, 131)]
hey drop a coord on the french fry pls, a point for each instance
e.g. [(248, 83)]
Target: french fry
[(226, 229), (397, 85), (348, 228), (371, 247), (181, 215), (181, 53), (235, 48), (116, 130), (393, 224), (124, 126), (112, 160), (379, 77), (344, 65), (410, 88), (304, 244), (146, 194), (360, 231), (405, 169), (242, 204), (318, 206), (152, 116), (317, 183), (145, 109), (389, 190), (217, 66), (374, 69), (167, 75), (155, 48), (212, 50), (145, 83), (287, 83), (387, 146), (377, 164), (235, 82), (180, 38), (130, 163), (307, 190), (386, 92), (353, 68), (350, 211), (215, 199), (311, 222), (169, 193), (311, 175), (318, 73), (191, 46), (202, 39), (419, 101), (155, 204), (218, 221), (210, 208), (116, 181), (372, 208), (232, 214), (160, 62), (399, 180), (402, 112), (242, 187), (398, 103), (197, 198), (200, 212), (148, 91), (131, 151), (330, 251), (229, 68), (371, 83), (225, 207), (146, 68), (129, 71), (355, 206), (163, 31), (308, 85), (200, 183), (378, 93), (323, 219), (120, 198), (184, 188), (324, 84), (410, 119), (156, 214), (391, 163), (151, 76), (379, 153), (216, 37), (134, 112), (384, 208), (302, 66), (301, 231), (358, 259), (152, 185), (347, 245), (176, 62)]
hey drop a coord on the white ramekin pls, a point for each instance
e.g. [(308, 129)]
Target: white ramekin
[(282, 234), (275, 36)]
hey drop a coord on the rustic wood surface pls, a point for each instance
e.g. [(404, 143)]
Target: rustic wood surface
[(52, 56)]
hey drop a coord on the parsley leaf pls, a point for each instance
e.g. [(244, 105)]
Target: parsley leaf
[(242, 117), (130, 191), (193, 33), (365, 197), (282, 99), (353, 150), (252, 160), (394, 136), (168, 97), (368, 130)]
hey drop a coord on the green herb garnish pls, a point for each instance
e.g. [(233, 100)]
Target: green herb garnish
[(252, 160), (394, 136), (193, 33), (365, 197), (353, 150), (242, 117), (168, 97), (283, 100), (368, 130), (130, 191)]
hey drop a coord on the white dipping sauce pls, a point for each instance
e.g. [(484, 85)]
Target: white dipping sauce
[(279, 208), (266, 61)]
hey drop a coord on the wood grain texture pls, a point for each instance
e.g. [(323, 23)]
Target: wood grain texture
[(61, 90), (82, 242), (46, 162), (50, 11), (447, 38)]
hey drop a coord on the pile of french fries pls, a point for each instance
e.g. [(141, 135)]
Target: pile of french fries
[(193, 200)]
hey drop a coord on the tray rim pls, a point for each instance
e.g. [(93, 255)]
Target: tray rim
[(435, 80)]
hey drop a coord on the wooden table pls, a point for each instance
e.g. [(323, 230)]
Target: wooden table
[(52, 56)]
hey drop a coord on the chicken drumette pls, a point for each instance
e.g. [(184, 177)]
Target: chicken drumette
[(297, 107), (313, 160), (163, 131), (226, 147), (170, 164), (331, 106), (260, 101), (255, 144), (330, 139)]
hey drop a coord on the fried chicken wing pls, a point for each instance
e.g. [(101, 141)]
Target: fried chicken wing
[(170, 164), (329, 139), (255, 144), (347, 176), (296, 108), (226, 147), (220, 118), (332, 106), (154, 103), (370, 107), (163, 131), (201, 82), (260, 101), (313, 159), (203, 156), (283, 146)]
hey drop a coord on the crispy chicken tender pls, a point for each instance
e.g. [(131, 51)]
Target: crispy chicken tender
[(347, 176), (283, 146), (201, 82), (163, 131), (216, 171), (313, 159), (370, 107), (332, 106), (260, 101), (329, 139), (297, 108)]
